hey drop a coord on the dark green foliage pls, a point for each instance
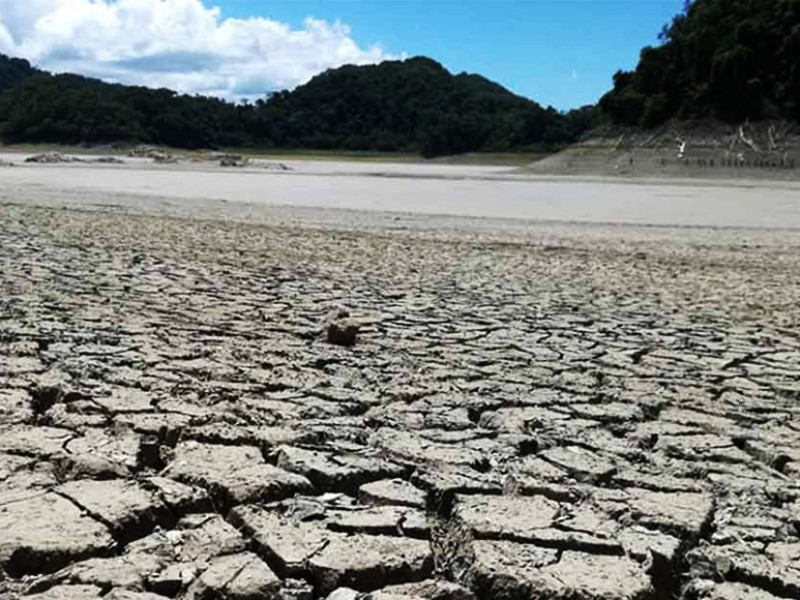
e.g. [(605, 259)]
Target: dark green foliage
[(414, 105), (12, 71), (71, 109), (726, 59)]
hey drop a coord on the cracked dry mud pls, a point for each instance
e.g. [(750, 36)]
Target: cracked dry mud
[(556, 412)]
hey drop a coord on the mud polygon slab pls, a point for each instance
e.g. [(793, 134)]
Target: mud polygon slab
[(580, 463), (68, 592), (505, 517), (234, 474), (734, 591), (512, 571), (197, 537), (122, 594), (22, 477), (503, 569), (179, 497), (645, 544), (430, 589), (288, 545), (385, 520), (343, 472), (43, 533), (369, 562), (128, 509), (127, 571), (37, 441), (15, 406), (407, 446), (241, 576), (681, 514), (774, 568), (393, 491)]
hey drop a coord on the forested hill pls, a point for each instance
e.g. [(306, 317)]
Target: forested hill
[(414, 105), (12, 71), (725, 59)]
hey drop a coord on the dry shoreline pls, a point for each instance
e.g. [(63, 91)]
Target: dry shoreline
[(459, 191)]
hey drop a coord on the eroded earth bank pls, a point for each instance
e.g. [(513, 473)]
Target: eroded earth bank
[(547, 411)]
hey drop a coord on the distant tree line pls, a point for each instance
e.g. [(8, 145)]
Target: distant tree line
[(719, 59), (726, 59), (414, 106), (13, 70)]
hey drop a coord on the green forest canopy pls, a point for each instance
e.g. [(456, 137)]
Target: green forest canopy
[(413, 105), (719, 59), (12, 71), (725, 59)]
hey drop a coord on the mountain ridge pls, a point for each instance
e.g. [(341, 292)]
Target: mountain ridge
[(413, 105)]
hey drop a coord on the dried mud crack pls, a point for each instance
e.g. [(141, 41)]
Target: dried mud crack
[(550, 412)]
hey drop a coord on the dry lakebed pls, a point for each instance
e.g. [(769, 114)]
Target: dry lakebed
[(365, 381)]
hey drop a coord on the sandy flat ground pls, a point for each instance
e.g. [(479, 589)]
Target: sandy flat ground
[(469, 191), (592, 394)]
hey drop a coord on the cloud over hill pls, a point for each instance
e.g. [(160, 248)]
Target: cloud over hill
[(180, 44)]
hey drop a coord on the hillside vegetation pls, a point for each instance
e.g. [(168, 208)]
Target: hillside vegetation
[(720, 59), (13, 70), (410, 105), (414, 105), (70, 109)]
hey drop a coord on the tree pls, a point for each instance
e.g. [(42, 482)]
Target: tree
[(411, 105), (730, 59)]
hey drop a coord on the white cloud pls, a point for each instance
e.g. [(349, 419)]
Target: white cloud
[(179, 44)]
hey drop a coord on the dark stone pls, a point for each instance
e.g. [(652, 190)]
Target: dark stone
[(342, 333)]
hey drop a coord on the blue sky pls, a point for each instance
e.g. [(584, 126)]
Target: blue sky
[(561, 53), (558, 52)]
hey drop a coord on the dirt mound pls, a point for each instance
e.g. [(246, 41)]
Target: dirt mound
[(239, 160), (144, 152), (233, 160), (276, 166), (52, 158), (56, 158), (158, 155)]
